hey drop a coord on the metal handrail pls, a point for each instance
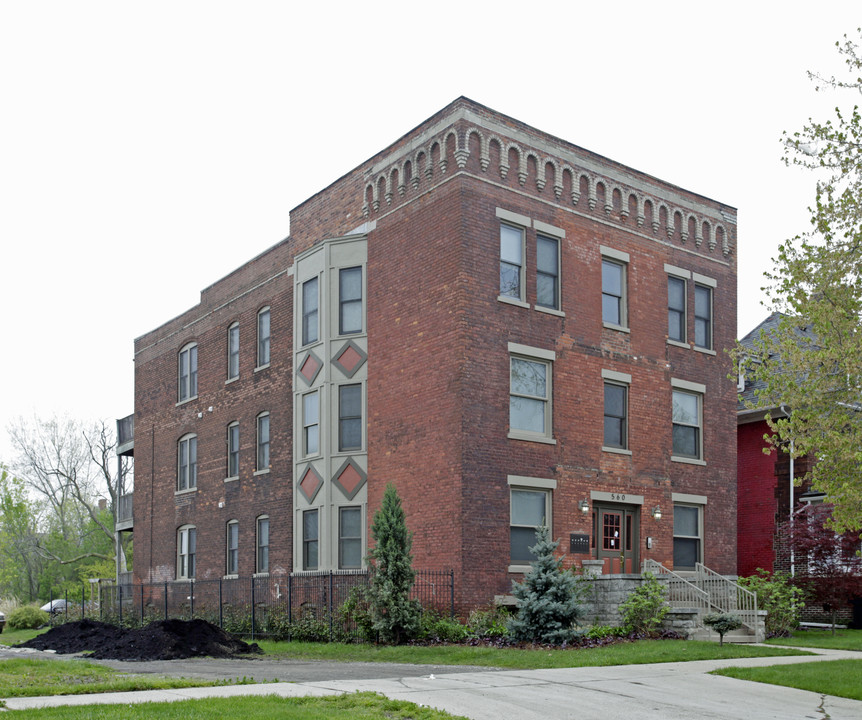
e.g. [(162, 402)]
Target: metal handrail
[(726, 596)]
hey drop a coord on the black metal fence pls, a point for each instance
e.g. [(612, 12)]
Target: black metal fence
[(301, 606)]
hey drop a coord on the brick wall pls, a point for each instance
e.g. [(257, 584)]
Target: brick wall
[(438, 365)]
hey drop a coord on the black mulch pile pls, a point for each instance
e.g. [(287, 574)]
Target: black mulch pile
[(163, 640)]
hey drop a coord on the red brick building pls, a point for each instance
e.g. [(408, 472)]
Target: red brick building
[(508, 327)]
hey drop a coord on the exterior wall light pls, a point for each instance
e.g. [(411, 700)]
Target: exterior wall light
[(656, 512), (584, 506)]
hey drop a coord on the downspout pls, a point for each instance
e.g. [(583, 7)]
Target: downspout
[(792, 558)]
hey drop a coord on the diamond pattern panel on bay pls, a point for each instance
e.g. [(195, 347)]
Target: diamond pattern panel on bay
[(349, 358), (310, 483), (349, 478), (309, 368)]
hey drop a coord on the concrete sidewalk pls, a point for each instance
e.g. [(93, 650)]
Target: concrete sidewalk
[(661, 691)]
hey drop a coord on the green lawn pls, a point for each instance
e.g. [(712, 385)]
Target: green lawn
[(829, 677), (630, 653), (31, 677), (358, 706), (841, 640)]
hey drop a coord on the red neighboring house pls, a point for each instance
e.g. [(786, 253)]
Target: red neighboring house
[(769, 489), (510, 328)]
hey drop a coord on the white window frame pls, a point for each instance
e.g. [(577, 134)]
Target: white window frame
[(621, 260), (307, 315), (519, 483), (186, 552), (698, 391), (623, 380), (538, 356), (514, 222), (308, 542), (232, 548), (264, 337), (187, 463), (697, 502), (342, 539), (343, 303), (232, 450), (187, 377), (707, 285), (263, 444), (261, 549), (342, 447), (308, 423), (548, 238), (233, 351)]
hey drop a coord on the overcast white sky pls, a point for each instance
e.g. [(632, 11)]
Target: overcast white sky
[(147, 149)]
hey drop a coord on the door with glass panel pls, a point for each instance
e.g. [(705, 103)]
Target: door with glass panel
[(616, 529)]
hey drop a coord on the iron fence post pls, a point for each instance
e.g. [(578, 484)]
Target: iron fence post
[(142, 604), (451, 593), (166, 600), (252, 609), (289, 606), (120, 598), (220, 607), (331, 606), (191, 599), (83, 602)]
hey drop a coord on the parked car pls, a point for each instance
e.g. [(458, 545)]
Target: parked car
[(55, 606)]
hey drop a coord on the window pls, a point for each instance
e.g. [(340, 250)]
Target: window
[(616, 412), (687, 424), (530, 396), (263, 337), (187, 462), (263, 442), (613, 293), (676, 309), (349, 537), (186, 542), (233, 351), (529, 509), (262, 559), (188, 374), (703, 316), (311, 423), (511, 262), (687, 536), (310, 539), (350, 300), (232, 548), (310, 307), (233, 450), (547, 272), (349, 417)]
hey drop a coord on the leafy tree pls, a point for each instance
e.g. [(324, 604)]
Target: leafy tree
[(829, 566), (722, 623), (69, 465), (813, 363), (782, 601), (393, 614), (547, 599), (20, 565)]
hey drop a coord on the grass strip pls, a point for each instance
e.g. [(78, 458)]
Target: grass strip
[(357, 706), (841, 640), (827, 677), (627, 653), (31, 677)]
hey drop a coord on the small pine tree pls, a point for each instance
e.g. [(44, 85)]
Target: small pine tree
[(722, 623), (393, 614), (547, 599)]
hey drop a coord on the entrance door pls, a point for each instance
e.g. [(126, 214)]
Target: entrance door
[(616, 529)]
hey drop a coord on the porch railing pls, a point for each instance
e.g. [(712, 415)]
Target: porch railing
[(708, 592)]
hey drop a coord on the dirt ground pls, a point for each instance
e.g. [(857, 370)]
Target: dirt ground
[(163, 640)]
